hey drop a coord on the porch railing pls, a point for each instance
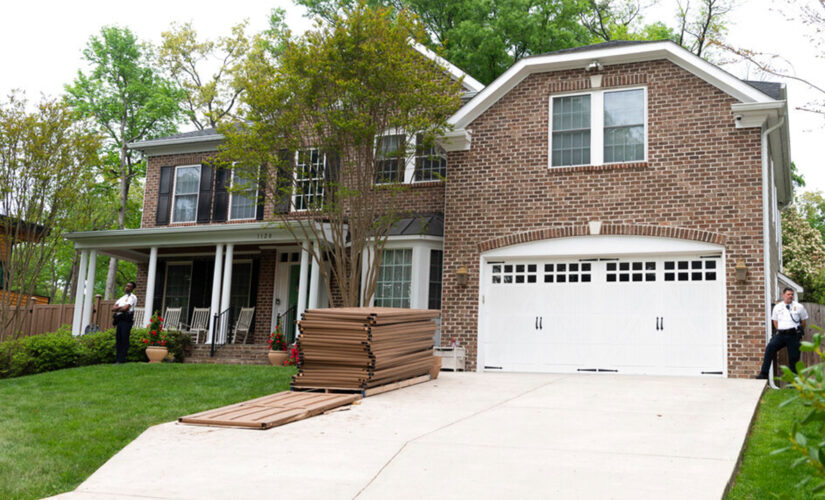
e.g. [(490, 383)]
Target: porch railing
[(220, 330), (287, 323)]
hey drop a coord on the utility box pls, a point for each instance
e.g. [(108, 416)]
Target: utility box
[(452, 358)]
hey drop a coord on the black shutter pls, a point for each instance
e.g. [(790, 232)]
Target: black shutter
[(259, 213), (205, 196), (164, 196), (200, 294), (220, 206), (283, 196)]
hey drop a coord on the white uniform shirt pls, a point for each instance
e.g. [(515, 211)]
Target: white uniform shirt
[(788, 315), (131, 299)]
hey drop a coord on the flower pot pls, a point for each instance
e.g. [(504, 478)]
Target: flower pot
[(156, 353), (277, 358)]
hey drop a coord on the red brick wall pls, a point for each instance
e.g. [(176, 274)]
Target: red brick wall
[(702, 174), (263, 302)]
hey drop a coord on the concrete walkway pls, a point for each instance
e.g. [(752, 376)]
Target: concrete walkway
[(465, 435)]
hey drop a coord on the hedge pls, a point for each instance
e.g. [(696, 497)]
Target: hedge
[(58, 350)]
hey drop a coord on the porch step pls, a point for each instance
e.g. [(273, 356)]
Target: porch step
[(241, 354)]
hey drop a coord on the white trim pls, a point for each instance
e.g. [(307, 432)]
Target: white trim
[(468, 82), (172, 220), (293, 199), (607, 56), (596, 125)]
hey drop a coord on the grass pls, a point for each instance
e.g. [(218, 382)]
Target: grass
[(763, 475), (57, 428)]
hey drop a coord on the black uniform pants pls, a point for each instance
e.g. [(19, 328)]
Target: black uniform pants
[(124, 328), (780, 340)]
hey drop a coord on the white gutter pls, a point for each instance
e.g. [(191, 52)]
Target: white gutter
[(766, 236)]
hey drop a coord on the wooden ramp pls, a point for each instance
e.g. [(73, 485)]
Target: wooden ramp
[(271, 411)]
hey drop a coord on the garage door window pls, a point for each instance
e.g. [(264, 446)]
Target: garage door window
[(567, 272), (503, 273), (690, 270), (627, 272)]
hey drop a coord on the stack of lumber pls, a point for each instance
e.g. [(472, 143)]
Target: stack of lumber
[(363, 347)]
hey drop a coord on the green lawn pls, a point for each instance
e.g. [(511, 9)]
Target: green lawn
[(57, 428), (763, 475)]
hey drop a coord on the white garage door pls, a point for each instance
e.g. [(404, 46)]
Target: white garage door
[(641, 315)]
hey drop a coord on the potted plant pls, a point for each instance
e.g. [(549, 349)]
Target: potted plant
[(155, 340), (292, 357), (277, 347)]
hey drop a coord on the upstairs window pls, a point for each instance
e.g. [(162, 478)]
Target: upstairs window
[(243, 204), (624, 126), (308, 192), (598, 127), (187, 183), (390, 161), (430, 161)]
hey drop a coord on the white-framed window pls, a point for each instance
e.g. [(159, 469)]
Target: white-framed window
[(430, 161), (308, 191), (186, 189), (396, 163), (393, 286), (243, 204), (598, 127), (390, 158)]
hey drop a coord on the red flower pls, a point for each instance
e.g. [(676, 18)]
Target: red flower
[(162, 342), (154, 332), (145, 341), (160, 319)]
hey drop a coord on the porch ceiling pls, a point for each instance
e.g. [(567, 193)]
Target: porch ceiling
[(133, 244)]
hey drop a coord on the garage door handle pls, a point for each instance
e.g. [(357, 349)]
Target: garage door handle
[(662, 323), (541, 322), (657, 323), (537, 322)]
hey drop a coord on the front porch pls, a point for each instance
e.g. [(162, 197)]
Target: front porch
[(216, 268)]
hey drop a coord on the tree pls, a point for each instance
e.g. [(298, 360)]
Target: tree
[(312, 117), (209, 98), (484, 37), (45, 157), (698, 28), (812, 17), (129, 101), (803, 254)]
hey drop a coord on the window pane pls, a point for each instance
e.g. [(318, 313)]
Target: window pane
[(309, 179), (624, 108), (185, 208), (188, 180), (394, 279), (389, 159), (243, 204), (430, 161)]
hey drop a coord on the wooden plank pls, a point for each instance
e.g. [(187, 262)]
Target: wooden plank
[(271, 411)]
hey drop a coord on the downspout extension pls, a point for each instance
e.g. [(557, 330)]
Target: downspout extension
[(766, 237)]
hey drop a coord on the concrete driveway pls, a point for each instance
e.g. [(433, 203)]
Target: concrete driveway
[(465, 435)]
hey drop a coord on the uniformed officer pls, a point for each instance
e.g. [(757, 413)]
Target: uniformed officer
[(789, 320)]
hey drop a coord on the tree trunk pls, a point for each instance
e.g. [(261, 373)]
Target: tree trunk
[(111, 276), (69, 288)]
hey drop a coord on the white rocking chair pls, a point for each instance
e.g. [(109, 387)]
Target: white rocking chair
[(137, 317), (199, 324), (243, 324), (171, 319)]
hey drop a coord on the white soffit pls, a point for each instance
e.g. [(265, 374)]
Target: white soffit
[(607, 56)]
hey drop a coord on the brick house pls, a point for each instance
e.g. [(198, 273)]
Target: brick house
[(609, 208)]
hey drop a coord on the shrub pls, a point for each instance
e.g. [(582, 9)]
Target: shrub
[(58, 350), (807, 437)]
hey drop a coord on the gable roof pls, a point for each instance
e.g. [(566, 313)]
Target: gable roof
[(610, 53)]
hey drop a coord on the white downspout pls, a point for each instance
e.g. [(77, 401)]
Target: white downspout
[(766, 237)]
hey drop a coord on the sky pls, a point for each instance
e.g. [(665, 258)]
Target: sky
[(42, 43)]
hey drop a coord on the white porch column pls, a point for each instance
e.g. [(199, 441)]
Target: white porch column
[(216, 289), (227, 289), (80, 293), (90, 291), (314, 279), (149, 303), (302, 284)]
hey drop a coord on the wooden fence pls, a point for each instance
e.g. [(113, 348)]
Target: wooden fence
[(816, 318), (44, 318)]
